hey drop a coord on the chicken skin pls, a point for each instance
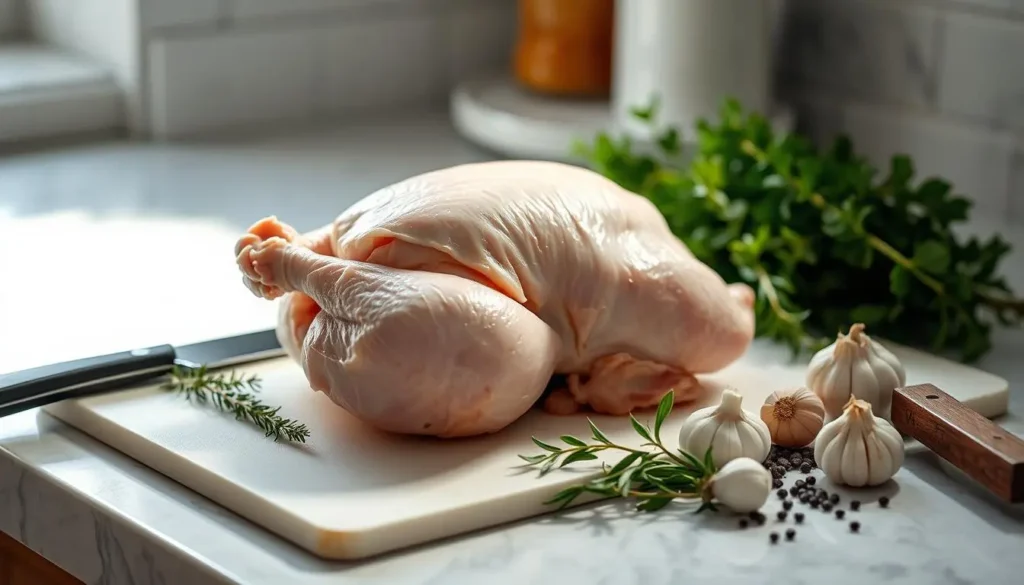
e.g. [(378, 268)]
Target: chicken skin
[(443, 304)]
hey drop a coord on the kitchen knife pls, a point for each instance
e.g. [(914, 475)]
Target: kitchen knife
[(93, 375), (970, 442)]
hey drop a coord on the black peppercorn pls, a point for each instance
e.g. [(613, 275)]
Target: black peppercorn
[(812, 480), (744, 523), (781, 494), (883, 502), (814, 503), (840, 514), (821, 492), (834, 498), (799, 483), (753, 515), (805, 467), (777, 483), (790, 534), (774, 536), (787, 505), (804, 498), (854, 526), (826, 507), (799, 517), (781, 515), (794, 491), (761, 519), (855, 505)]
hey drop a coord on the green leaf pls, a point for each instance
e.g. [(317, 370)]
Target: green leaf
[(899, 281), (625, 482), (664, 409), (653, 504), (598, 435), (931, 256), (640, 429), (532, 459), (544, 445), (709, 461), (625, 462), (571, 440), (578, 456)]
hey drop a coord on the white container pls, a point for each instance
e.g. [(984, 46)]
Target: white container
[(692, 54)]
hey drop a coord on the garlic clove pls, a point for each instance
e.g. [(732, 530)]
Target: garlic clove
[(742, 485)]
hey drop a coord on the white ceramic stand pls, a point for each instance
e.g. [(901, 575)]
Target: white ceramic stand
[(495, 113)]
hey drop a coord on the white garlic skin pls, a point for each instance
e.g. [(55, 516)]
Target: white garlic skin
[(728, 430), (855, 365), (742, 485), (859, 449)]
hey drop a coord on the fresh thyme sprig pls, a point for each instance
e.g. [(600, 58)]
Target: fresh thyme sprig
[(653, 477), (236, 394)]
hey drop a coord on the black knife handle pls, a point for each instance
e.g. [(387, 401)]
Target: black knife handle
[(55, 382)]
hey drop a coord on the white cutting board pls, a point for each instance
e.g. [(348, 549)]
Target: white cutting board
[(351, 492)]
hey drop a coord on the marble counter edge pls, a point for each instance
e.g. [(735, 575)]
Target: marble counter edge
[(92, 537)]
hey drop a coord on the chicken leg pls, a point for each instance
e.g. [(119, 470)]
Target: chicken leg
[(408, 352)]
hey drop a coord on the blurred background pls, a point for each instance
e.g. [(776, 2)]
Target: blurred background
[(138, 138)]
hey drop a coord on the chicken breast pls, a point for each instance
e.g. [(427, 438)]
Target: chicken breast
[(478, 282)]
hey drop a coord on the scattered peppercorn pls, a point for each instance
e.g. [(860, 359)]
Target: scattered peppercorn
[(787, 505), (840, 514), (854, 526), (883, 502), (744, 523), (826, 507), (799, 483), (812, 480), (774, 536), (794, 491), (790, 534), (834, 498), (781, 494), (814, 503), (804, 498), (855, 505), (799, 517), (777, 483), (805, 467)]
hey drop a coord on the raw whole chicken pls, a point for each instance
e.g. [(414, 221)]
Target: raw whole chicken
[(443, 304)]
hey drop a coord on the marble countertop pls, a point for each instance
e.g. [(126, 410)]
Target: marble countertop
[(107, 519)]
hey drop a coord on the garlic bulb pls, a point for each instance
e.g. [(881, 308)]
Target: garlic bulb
[(728, 430), (742, 485), (855, 365), (858, 448), (794, 417)]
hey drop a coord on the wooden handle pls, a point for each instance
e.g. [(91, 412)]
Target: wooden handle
[(972, 443)]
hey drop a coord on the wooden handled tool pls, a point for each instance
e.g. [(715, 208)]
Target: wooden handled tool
[(972, 443)]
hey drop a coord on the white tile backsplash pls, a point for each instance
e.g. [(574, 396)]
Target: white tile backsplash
[(975, 160), (983, 73), (877, 51), (234, 78), (381, 63)]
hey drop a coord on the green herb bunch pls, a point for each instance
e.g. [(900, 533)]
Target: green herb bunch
[(653, 477), (822, 237), (235, 394)]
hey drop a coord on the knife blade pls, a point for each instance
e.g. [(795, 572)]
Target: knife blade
[(51, 383)]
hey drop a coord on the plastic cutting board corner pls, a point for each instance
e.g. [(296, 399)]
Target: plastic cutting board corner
[(351, 492)]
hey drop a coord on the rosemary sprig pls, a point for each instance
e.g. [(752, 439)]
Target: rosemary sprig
[(235, 394), (653, 475)]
